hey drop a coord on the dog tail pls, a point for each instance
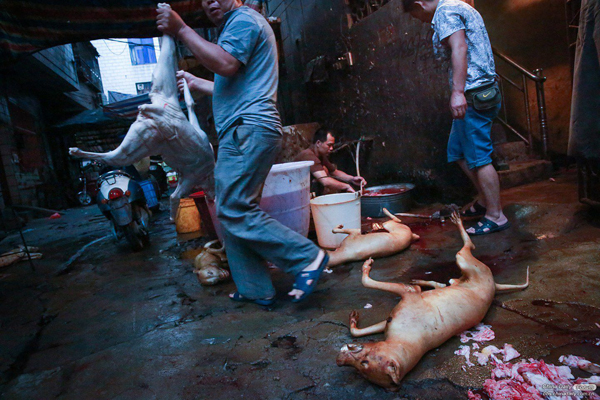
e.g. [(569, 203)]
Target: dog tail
[(506, 288), (210, 249)]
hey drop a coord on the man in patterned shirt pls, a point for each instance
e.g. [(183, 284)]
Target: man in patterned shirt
[(460, 37)]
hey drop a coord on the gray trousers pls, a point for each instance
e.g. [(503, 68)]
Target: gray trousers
[(246, 154)]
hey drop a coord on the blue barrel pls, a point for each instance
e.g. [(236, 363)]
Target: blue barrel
[(149, 192)]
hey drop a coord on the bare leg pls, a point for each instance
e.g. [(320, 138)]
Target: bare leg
[(392, 216), (471, 175), (433, 284), (464, 258), (189, 103), (184, 188), (490, 186), (370, 330), (396, 288), (131, 150), (456, 220), (163, 76), (346, 231), (506, 288)]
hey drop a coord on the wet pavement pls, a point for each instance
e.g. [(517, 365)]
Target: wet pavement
[(97, 321)]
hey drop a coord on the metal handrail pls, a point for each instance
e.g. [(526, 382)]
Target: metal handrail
[(538, 78)]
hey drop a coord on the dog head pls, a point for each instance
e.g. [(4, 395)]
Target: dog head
[(211, 275), (375, 362)]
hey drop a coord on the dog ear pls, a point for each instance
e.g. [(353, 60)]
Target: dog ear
[(393, 370)]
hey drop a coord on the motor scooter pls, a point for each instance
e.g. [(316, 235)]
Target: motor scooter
[(121, 200), (88, 179)]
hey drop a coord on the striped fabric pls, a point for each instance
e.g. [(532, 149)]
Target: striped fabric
[(30, 25)]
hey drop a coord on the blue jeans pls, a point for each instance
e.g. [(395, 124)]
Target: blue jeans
[(470, 138), (246, 154)]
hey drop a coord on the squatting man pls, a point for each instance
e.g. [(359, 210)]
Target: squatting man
[(328, 178)]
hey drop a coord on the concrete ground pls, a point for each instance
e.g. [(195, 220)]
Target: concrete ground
[(96, 321)]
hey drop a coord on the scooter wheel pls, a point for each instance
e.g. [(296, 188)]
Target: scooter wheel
[(84, 199)]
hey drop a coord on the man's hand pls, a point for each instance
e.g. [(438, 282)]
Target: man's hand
[(195, 84), (189, 78), (357, 180), (349, 189), (169, 22), (458, 104)]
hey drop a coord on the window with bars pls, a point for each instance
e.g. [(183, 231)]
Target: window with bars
[(360, 9), (142, 51)]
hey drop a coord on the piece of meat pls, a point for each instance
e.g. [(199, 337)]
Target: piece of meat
[(509, 353), (474, 396), (535, 379), (484, 356), (465, 351), (581, 363), (483, 333)]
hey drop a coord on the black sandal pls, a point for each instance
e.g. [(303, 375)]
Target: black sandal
[(479, 211), (485, 226)]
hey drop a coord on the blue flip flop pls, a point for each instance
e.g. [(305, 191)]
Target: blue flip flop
[(261, 302), (303, 277), (484, 223)]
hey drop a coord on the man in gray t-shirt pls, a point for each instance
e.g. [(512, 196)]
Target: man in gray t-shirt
[(244, 92), (461, 38)]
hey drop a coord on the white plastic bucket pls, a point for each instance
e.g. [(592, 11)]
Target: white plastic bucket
[(286, 195), (331, 211)]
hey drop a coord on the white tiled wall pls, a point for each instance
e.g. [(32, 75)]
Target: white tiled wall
[(118, 75)]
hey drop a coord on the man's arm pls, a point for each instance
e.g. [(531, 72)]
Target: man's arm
[(344, 177), (332, 183), (195, 84), (458, 44), (209, 54)]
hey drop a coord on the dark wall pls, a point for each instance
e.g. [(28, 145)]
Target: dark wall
[(396, 91)]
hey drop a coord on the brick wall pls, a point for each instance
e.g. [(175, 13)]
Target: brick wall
[(118, 75)]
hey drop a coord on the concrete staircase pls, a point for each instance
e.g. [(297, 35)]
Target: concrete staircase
[(522, 168)]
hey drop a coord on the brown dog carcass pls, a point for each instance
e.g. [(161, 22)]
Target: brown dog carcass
[(162, 129), (357, 246), (422, 320), (209, 265)]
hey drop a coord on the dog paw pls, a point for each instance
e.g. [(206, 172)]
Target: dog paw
[(366, 268), (353, 318), (74, 151), (455, 218)]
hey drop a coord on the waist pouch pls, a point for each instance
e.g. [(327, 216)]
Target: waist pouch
[(484, 97)]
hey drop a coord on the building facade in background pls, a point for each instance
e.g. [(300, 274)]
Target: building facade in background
[(126, 66), (37, 92)]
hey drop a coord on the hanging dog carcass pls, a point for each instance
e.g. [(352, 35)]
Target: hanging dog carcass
[(161, 128)]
